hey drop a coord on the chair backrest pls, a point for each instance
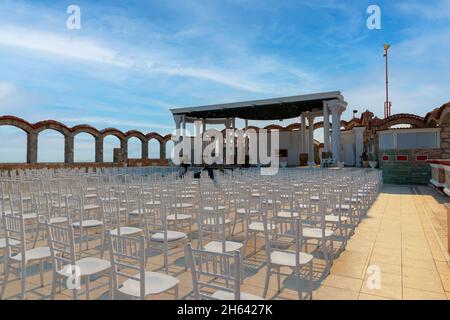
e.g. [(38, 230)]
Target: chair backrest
[(292, 233), (127, 260), (111, 214), (62, 245), (15, 237), (214, 271)]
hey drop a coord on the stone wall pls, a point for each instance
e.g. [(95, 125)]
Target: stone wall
[(445, 141), (410, 171)]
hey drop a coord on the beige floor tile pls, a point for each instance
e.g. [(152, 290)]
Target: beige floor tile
[(330, 293), (414, 294), (341, 282), (386, 291), (364, 296), (422, 283)]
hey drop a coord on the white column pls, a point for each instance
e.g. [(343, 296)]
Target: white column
[(246, 138), (311, 139), (303, 134), (359, 144), (336, 108), (203, 126), (183, 125), (326, 128)]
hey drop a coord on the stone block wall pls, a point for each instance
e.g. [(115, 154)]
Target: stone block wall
[(410, 171), (445, 141)]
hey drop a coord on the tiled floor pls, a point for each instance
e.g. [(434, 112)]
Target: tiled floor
[(397, 252)]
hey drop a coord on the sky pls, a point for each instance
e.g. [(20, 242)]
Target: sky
[(132, 61)]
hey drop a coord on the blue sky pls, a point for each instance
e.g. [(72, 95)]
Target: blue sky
[(133, 60)]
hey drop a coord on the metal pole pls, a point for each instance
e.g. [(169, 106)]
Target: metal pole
[(387, 106)]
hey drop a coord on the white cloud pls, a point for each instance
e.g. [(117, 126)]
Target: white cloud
[(60, 45), (438, 10)]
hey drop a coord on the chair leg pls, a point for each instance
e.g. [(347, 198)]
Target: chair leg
[(266, 282), (87, 287), (310, 279), (54, 283), (5, 280), (279, 279), (41, 273), (299, 285), (23, 281), (176, 292)]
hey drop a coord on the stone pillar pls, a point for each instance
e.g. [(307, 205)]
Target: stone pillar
[(359, 144), (336, 108), (162, 150), (124, 149), (68, 148), (326, 128), (144, 150), (303, 133), (99, 149), (445, 141), (32, 147), (311, 140)]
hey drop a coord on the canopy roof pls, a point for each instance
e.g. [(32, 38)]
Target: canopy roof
[(267, 109)]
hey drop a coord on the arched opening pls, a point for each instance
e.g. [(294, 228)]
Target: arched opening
[(153, 149), (109, 144), (50, 146), (84, 148), (134, 148), (169, 149), (13, 146)]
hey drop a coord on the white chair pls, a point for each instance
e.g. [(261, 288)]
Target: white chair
[(294, 259), (62, 247), (130, 279), (217, 275), (157, 234), (18, 256)]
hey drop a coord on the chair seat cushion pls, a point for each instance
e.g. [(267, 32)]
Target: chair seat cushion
[(11, 241), (178, 216), (182, 205), (316, 233), (333, 218), (171, 236), (287, 214), (126, 231), (224, 295), (38, 253), (88, 224), (242, 211), (57, 220), (216, 246), (288, 259), (258, 226), (155, 283), (88, 266)]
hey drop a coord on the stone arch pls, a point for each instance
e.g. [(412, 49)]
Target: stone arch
[(84, 128), (16, 122), (402, 118), (53, 125)]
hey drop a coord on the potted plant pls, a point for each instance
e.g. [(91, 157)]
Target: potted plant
[(373, 163)]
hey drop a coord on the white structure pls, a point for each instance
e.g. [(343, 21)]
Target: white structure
[(306, 108)]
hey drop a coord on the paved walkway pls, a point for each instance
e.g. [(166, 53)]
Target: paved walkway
[(402, 237)]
